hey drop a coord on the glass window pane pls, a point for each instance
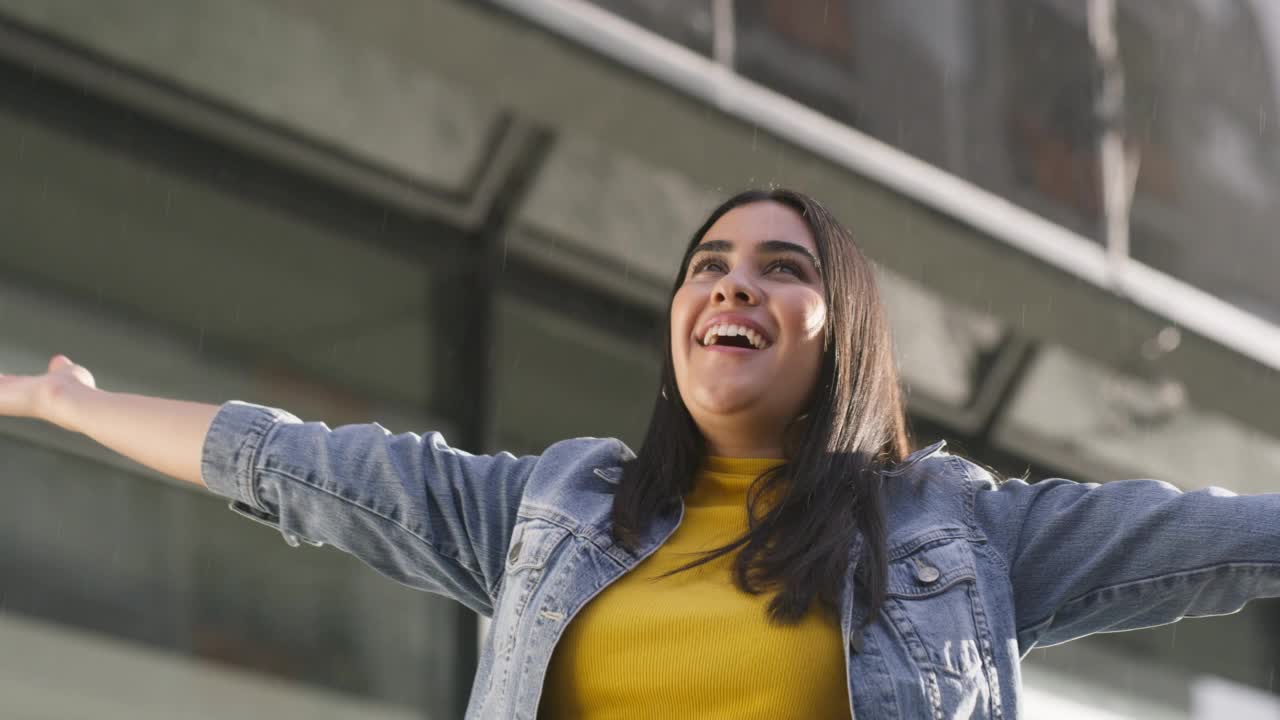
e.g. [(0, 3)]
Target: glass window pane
[(109, 216), (687, 22), (167, 568), (560, 378), (301, 292), (1202, 118), (1001, 93)]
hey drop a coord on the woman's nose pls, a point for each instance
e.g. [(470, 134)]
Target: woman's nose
[(733, 286)]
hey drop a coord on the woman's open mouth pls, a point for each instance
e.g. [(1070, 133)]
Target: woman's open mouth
[(727, 336)]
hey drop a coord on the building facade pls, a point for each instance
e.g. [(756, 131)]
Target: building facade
[(466, 216)]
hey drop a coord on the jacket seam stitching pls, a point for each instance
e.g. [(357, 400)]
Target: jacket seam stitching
[(971, 492), (924, 541), (1087, 595), (903, 467), (577, 534), (263, 426), (430, 545)]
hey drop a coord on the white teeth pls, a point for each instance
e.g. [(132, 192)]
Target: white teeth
[(726, 330)]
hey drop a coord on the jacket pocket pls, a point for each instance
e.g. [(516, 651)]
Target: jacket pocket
[(533, 544), (932, 605)]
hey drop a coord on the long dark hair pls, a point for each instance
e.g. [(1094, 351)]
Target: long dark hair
[(828, 491)]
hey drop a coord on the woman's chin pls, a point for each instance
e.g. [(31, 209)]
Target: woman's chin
[(727, 400)]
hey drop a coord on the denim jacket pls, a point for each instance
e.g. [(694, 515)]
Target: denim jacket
[(979, 571)]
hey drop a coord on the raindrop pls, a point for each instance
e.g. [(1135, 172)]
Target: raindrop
[(1164, 342), (1169, 338)]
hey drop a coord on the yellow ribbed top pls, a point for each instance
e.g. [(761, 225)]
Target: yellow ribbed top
[(693, 644)]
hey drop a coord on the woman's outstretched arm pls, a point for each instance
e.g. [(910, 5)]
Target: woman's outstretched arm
[(409, 505), (164, 435), (1085, 558)]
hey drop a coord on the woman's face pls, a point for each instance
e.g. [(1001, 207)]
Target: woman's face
[(747, 324)]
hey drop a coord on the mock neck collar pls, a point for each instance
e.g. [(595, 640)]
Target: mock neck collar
[(721, 465), (725, 480)]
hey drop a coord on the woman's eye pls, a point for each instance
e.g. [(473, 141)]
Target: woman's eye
[(707, 264), (786, 265)]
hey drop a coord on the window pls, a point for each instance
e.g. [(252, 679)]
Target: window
[(174, 267), (1202, 118), (687, 22)]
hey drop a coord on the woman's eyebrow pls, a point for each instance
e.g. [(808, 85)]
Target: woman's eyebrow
[(780, 246), (768, 246), (708, 246)]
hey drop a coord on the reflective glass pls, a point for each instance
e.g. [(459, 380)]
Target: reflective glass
[(559, 378), (1203, 122), (1005, 94), (1000, 93), (124, 216), (687, 22), (146, 228), (170, 570)]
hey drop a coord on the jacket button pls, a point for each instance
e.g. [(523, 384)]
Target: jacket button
[(927, 573), (515, 551), (856, 640)]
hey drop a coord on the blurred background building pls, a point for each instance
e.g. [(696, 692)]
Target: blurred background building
[(466, 216)]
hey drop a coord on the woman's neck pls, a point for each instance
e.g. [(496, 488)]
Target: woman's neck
[(742, 436), (744, 450), (741, 443)]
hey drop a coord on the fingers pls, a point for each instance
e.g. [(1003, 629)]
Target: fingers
[(56, 362)]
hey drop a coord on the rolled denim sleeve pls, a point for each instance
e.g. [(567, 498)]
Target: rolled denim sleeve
[(1085, 558), (409, 506)]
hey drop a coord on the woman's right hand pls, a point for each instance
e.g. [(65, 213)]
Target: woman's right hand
[(165, 435), (36, 396)]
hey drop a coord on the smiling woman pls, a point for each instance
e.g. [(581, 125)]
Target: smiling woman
[(771, 551), (813, 397), (822, 395), (754, 285)]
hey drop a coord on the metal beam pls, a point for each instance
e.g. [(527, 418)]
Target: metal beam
[(999, 376), (470, 299)]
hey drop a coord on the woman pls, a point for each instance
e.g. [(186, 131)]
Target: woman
[(848, 579)]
